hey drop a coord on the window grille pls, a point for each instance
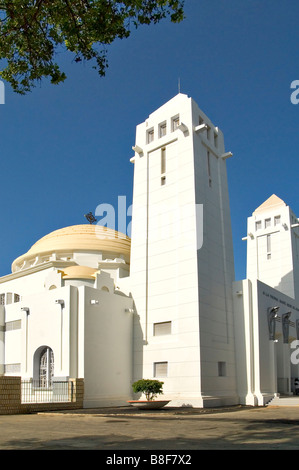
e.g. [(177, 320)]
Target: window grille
[(59, 391), (46, 368)]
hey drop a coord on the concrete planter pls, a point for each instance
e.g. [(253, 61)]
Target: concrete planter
[(148, 405)]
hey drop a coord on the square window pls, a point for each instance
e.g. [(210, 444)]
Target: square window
[(277, 220), (162, 328), (258, 225), (267, 223), (160, 369)]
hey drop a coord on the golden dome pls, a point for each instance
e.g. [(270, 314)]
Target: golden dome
[(90, 238)]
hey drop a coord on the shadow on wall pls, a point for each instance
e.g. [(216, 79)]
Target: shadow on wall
[(286, 285), (138, 345)]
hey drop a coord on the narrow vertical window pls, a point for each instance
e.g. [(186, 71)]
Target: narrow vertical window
[(150, 136), (267, 223), (175, 122), (162, 129), (163, 166), (209, 168), (215, 139), (221, 369), (163, 160), (277, 220), (268, 246)]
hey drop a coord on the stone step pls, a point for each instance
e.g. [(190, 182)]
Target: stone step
[(284, 401)]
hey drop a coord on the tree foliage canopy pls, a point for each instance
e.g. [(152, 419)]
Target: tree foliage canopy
[(32, 33), (150, 387)]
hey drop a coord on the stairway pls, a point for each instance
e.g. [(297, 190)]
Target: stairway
[(284, 400)]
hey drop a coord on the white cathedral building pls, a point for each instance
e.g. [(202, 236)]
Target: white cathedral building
[(89, 302)]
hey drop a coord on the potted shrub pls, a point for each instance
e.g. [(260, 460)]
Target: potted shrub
[(150, 388)]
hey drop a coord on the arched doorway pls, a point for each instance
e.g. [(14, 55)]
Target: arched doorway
[(44, 366)]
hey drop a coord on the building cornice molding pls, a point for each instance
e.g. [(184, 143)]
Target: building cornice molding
[(35, 269)]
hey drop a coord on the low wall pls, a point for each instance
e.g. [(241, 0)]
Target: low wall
[(10, 398)]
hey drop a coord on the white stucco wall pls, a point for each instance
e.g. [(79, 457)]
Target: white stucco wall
[(105, 347)]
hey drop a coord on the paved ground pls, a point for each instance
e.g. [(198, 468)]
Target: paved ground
[(178, 429)]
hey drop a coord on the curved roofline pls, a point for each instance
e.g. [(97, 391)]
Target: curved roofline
[(78, 238)]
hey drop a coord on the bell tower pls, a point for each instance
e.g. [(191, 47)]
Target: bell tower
[(273, 246), (182, 265)]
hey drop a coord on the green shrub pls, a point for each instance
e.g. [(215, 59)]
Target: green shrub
[(150, 388)]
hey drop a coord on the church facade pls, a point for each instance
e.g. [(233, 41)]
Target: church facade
[(87, 301)]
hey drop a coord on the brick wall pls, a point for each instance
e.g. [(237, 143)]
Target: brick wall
[(10, 398), (10, 395)]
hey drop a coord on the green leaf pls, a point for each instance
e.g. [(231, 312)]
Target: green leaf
[(33, 32)]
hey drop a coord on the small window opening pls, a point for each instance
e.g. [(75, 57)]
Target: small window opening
[(160, 369), (222, 369)]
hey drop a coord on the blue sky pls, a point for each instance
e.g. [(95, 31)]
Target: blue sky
[(65, 149)]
